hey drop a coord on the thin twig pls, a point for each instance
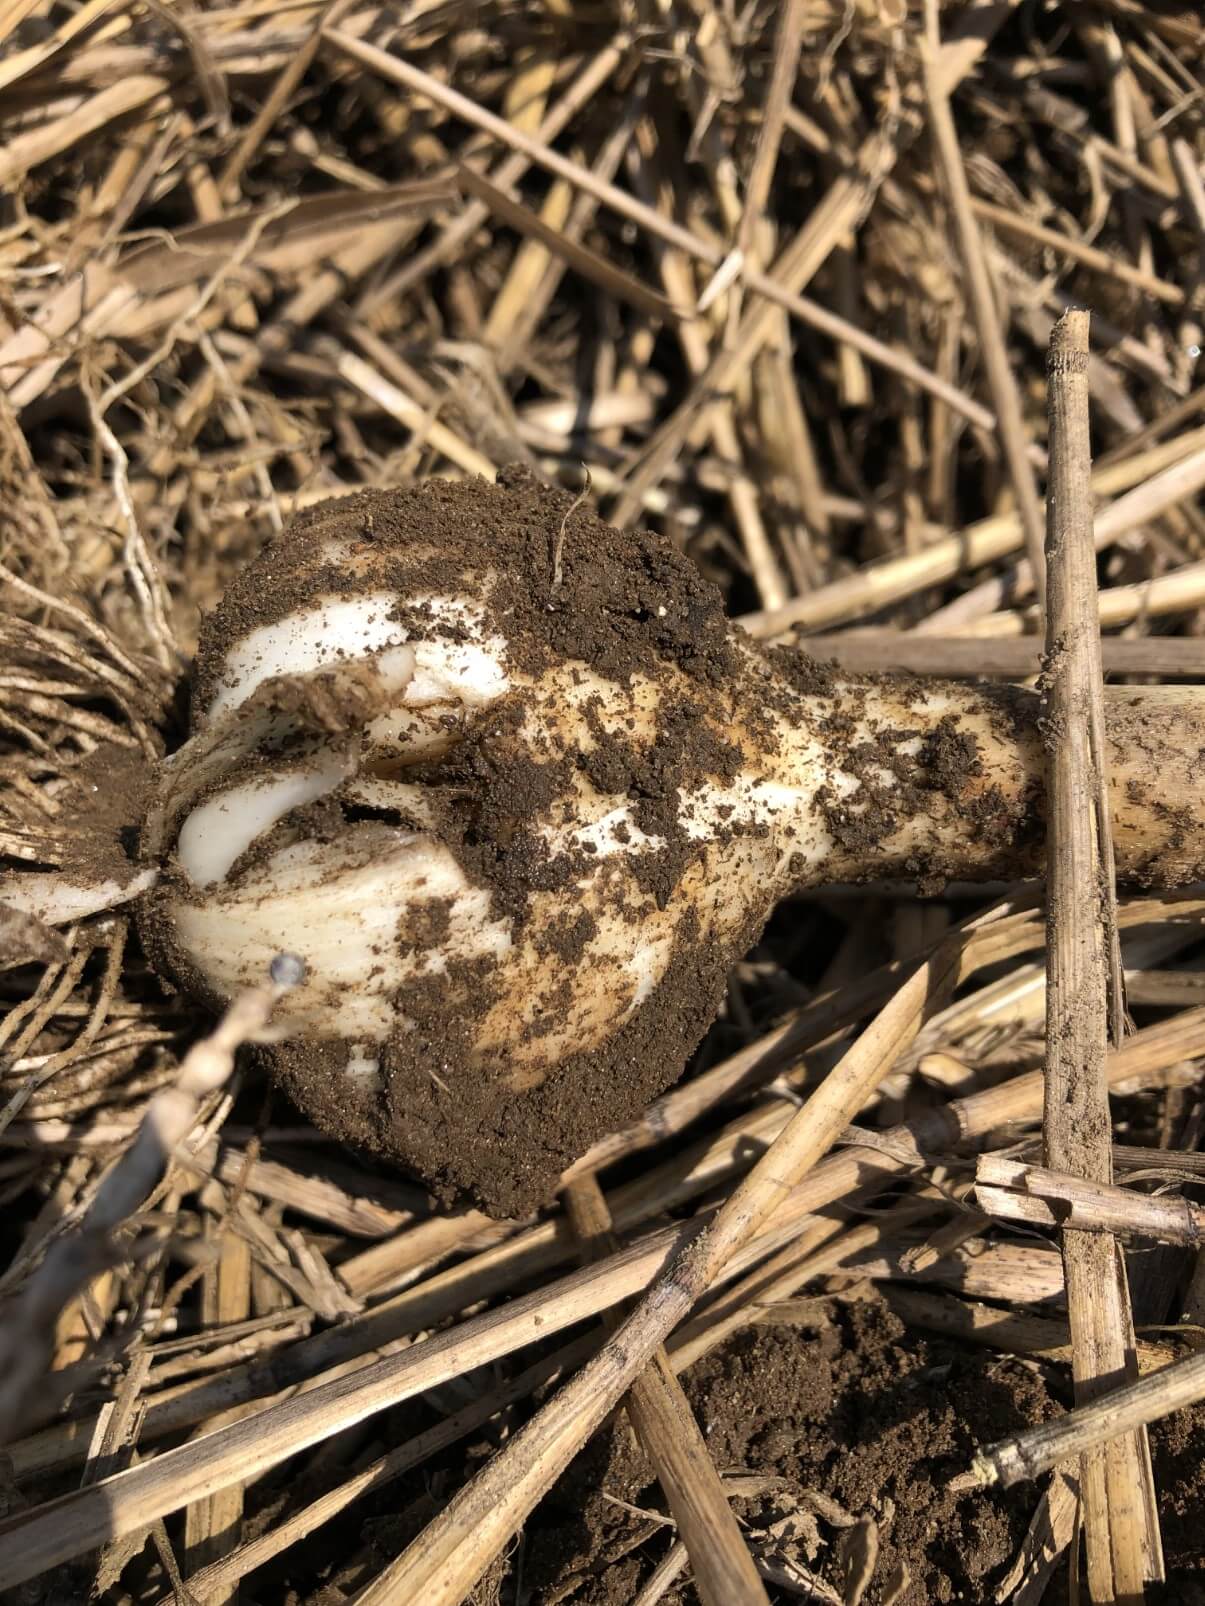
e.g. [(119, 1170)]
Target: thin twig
[(1090, 1427), (1017, 1192), (808, 312), (724, 1572), (1011, 658), (991, 337)]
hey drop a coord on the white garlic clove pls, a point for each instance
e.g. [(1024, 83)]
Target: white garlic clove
[(222, 828), (325, 632), (342, 906)]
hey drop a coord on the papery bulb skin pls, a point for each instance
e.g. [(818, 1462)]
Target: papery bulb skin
[(519, 830)]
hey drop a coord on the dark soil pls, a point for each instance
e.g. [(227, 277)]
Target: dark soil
[(846, 1418), (505, 1148), (872, 1417), (863, 1413), (101, 808)]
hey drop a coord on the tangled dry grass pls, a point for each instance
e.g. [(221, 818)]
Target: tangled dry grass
[(779, 280)]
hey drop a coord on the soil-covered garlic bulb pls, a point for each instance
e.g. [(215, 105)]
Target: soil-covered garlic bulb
[(519, 796)]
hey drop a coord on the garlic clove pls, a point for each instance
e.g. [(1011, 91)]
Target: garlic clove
[(344, 908), (314, 637), (220, 830), (458, 659)]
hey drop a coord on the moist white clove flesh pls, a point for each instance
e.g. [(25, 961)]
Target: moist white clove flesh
[(519, 796)]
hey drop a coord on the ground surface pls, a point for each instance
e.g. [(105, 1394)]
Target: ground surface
[(846, 1416)]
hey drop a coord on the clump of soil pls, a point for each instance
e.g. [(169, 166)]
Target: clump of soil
[(100, 810), (1178, 1457), (472, 1134)]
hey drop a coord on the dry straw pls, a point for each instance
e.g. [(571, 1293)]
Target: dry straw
[(779, 279)]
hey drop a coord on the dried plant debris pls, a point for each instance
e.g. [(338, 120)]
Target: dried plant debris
[(739, 312)]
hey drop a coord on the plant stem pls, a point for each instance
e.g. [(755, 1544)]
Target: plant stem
[(1083, 1005)]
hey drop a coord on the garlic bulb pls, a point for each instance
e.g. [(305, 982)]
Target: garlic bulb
[(520, 818)]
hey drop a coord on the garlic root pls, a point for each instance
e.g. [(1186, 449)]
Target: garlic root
[(519, 832)]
